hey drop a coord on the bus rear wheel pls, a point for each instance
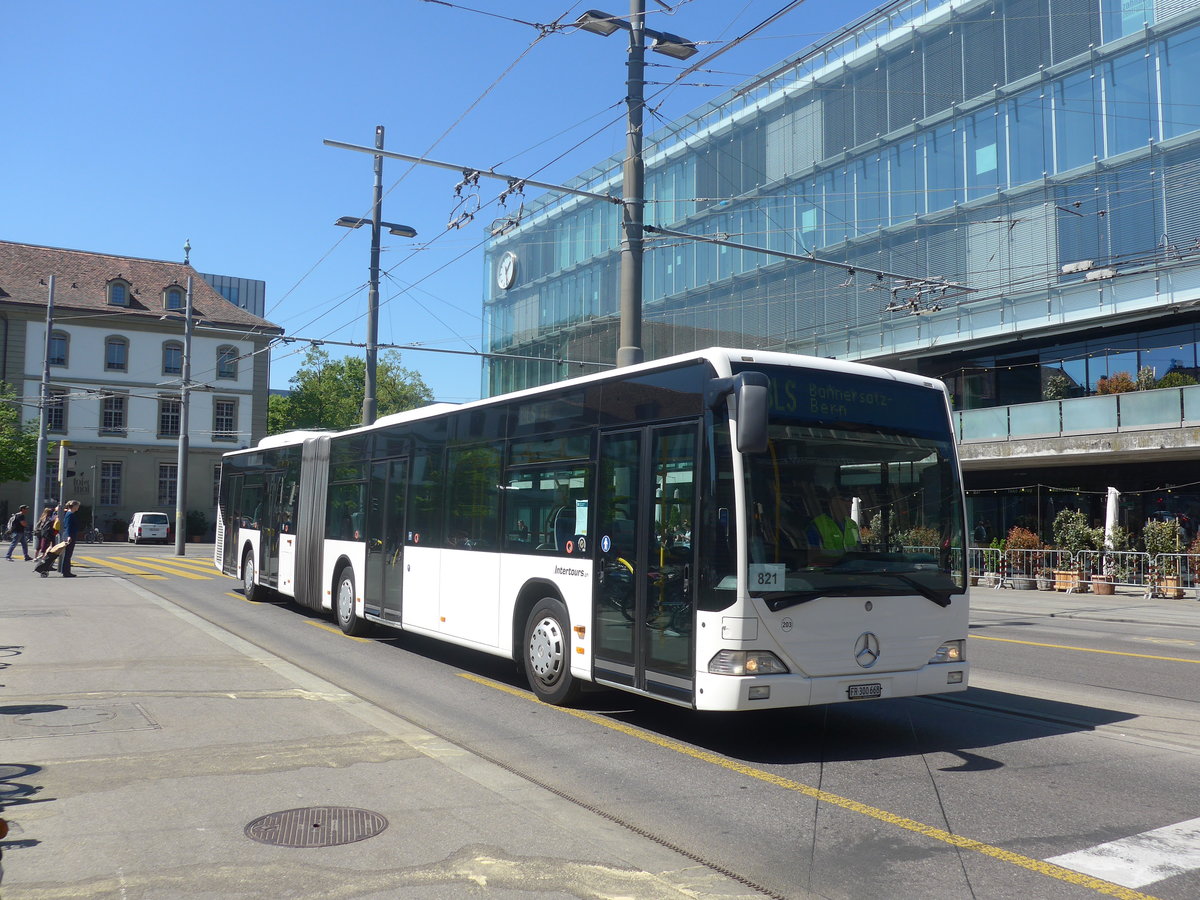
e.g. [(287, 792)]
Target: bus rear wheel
[(347, 618), (547, 650), (253, 592)]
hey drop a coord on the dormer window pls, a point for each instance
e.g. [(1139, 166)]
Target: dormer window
[(173, 298), (118, 292)]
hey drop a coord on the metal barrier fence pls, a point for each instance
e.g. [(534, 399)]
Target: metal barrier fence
[(1164, 575)]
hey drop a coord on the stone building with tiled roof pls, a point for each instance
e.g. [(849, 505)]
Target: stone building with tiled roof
[(115, 361)]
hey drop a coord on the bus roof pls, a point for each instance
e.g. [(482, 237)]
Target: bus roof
[(722, 360)]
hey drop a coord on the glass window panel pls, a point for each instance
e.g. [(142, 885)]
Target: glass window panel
[(985, 154), (116, 352), (1122, 17), (1168, 351), (907, 192), (172, 359), (839, 211), (1180, 75), (1128, 101), (1027, 136), (1114, 361), (1075, 121), (58, 349), (869, 184), (943, 166)]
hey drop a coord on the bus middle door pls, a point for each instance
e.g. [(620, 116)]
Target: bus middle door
[(644, 590), (385, 539)]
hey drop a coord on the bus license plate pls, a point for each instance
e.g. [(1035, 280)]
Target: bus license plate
[(865, 691)]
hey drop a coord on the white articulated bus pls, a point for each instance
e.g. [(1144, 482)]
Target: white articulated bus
[(677, 529)]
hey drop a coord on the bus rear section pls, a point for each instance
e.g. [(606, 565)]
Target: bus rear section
[(852, 582)]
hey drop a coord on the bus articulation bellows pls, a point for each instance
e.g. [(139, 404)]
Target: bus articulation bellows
[(723, 530)]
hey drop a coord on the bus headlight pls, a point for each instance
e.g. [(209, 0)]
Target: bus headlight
[(746, 662), (949, 652)]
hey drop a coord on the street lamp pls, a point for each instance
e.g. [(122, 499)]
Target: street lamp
[(369, 401), (181, 479), (634, 171)]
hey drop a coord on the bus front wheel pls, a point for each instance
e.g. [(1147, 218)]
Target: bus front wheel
[(547, 657), (347, 618)]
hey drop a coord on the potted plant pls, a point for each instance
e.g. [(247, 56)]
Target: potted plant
[(1022, 560), (1073, 535), (992, 557), (1163, 541)]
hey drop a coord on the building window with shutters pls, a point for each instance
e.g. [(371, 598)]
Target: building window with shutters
[(112, 415), (225, 413), (168, 480), (170, 414), (56, 412), (110, 483), (116, 354)]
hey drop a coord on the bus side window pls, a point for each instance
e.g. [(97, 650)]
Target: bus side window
[(546, 510)]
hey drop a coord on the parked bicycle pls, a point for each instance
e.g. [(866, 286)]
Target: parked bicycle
[(93, 535)]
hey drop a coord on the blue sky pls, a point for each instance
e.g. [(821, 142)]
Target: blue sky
[(136, 124)]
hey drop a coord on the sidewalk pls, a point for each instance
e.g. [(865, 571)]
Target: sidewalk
[(140, 742), (1127, 605)]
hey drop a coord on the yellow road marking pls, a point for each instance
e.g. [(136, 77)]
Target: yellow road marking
[(178, 572), (1087, 649), (120, 568), (1041, 867), (189, 564), (239, 597), (337, 631)]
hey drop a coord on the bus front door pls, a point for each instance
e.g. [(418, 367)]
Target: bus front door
[(385, 539), (644, 584)]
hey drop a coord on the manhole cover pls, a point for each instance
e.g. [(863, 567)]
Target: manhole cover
[(316, 826)]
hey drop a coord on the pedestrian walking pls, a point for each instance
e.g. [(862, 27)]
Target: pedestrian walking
[(43, 532), (68, 535), (19, 526)]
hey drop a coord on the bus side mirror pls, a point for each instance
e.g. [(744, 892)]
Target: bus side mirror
[(750, 392)]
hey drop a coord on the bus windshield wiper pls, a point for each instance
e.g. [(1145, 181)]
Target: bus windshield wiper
[(940, 597)]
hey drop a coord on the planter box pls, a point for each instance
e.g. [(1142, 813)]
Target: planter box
[(1021, 583), (1069, 580), (1103, 585)]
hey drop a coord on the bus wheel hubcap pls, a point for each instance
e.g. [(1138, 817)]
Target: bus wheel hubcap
[(546, 650), (345, 602)]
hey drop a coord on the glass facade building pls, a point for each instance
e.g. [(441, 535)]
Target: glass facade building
[(988, 143), (1044, 155)]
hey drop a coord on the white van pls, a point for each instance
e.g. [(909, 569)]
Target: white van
[(149, 526)]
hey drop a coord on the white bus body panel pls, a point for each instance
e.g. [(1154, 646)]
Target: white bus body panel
[(422, 569), (468, 603), (287, 564)]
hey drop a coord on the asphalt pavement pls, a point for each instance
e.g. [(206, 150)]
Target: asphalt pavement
[(149, 753)]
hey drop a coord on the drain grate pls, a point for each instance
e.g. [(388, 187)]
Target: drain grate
[(316, 826)]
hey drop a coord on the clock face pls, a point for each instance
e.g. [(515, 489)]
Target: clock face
[(506, 271)]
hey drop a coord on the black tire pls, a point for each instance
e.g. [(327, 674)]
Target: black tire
[(546, 653), (254, 592), (343, 604)]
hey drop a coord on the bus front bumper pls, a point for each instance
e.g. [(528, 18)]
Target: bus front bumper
[(726, 692)]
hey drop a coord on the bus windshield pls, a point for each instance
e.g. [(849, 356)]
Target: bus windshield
[(857, 494)]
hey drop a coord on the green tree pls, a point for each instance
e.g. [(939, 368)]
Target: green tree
[(328, 393), (18, 439)]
